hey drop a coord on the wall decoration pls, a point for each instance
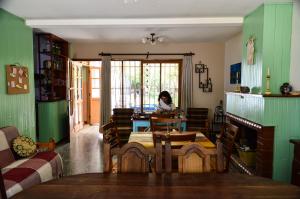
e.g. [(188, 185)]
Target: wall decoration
[(206, 84), (250, 50), (235, 73), (17, 79)]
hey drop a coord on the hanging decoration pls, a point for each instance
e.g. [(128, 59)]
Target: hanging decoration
[(206, 84), (17, 79), (250, 50)]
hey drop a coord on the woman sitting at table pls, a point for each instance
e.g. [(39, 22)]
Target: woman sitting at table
[(165, 102)]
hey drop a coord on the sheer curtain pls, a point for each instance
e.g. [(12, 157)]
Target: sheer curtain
[(186, 83), (105, 98)]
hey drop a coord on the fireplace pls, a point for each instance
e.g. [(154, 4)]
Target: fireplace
[(259, 139)]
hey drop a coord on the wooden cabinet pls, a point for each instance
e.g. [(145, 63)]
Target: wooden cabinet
[(50, 70), (51, 61), (296, 163)]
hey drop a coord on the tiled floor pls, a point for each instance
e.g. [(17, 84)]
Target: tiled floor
[(84, 152)]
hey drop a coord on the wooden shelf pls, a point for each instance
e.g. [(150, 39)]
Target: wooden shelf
[(52, 68), (53, 54), (280, 95), (259, 95)]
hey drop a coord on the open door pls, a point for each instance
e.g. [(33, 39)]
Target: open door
[(75, 96), (94, 95)]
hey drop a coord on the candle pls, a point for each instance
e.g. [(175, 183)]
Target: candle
[(268, 73)]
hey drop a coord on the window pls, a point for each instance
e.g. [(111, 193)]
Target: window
[(128, 77), (95, 78)]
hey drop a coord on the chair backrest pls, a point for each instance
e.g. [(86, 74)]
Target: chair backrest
[(174, 137), (110, 134), (133, 158), (164, 115), (110, 141), (194, 158), (197, 119), (158, 137), (122, 117), (165, 124), (227, 136)]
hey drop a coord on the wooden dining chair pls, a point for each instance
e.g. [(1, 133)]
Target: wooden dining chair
[(226, 140), (122, 118), (165, 124), (133, 157), (111, 141), (194, 158), (171, 141)]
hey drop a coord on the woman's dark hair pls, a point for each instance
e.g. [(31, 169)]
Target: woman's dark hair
[(167, 95)]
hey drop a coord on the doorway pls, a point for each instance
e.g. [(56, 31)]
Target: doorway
[(85, 78), (75, 96), (94, 75)]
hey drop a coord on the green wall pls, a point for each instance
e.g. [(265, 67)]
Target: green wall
[(52, 120), (253, 26), (284, 114), (271, 25), (246, 106), (277, 44), (16, 46)]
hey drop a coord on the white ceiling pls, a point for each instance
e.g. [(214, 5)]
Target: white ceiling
[(41, 11)]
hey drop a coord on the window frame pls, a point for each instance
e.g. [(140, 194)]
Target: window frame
[(160, 61)]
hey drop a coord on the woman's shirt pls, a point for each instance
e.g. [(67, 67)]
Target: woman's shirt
[(162, 106)]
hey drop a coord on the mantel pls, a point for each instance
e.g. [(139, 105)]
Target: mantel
[(259, 95)]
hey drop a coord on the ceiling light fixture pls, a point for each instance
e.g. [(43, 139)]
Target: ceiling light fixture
[(152, 39)]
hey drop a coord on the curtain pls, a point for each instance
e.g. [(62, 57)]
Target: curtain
[(186, 83), (105, 97)]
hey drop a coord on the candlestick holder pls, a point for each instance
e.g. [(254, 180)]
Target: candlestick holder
[(237, 86), (268, 91)]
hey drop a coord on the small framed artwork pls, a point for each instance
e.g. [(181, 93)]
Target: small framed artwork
[(197, 68), (235, 73), (17, 79)]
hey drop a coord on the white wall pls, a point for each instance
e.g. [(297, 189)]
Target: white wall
[(295, 51), (233, 55), (211, 54)]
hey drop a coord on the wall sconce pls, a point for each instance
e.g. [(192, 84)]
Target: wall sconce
[(205, 84)]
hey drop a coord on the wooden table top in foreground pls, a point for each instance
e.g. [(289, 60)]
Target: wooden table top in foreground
[(188, 186)]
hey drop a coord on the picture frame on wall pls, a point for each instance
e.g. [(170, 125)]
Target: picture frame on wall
[(235, 73), (197, 68), (17, 80)]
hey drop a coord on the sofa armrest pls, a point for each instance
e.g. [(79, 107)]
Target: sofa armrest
[(2, 187), (47, 146)]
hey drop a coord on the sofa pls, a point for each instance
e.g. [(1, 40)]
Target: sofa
[(18, 173)]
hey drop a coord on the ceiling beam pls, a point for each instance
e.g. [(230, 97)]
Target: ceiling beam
[(206, 21)]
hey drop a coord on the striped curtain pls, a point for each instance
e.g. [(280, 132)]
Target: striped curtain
[(186, 83), (105, 98)]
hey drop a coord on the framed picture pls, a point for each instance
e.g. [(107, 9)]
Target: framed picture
[(235, 73), (17, 79), (197, 68)]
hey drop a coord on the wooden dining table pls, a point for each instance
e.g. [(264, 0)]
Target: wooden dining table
[(187, 186), (146, 139)]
